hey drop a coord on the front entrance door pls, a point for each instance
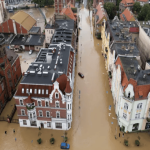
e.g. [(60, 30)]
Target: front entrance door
[(42, 125)]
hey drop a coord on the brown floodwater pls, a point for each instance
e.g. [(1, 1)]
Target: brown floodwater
[(92, 127)]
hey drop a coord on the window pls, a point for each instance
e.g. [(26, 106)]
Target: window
[(57, 115), (126, 106), (24, 122), (58, 125), (68, 125), (48, 124), (33, 104), (42, 91), (39, 91), (46, 104), (139, 106), (15, 67), (40, 113), (2, 85), (8, 74), (21, 102), (57, 104), (22, 112), (68, 106), (129, 95), (10, 82), (46, 92), (70, 116), (31, 91), (27, 91), (22, 90), (35, 91), (56, 95), (124, 116), (47, 114), (137, 116), (39, 103), (51, 31), (30, 115), (34, 115)]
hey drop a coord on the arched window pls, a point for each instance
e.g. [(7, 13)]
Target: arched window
[(139, 106), (129, 95), (126, 106), (56, 95)]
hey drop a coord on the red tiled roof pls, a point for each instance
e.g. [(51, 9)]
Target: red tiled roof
[(68, 88), (128, 14), (125, 2), (142, 0), (68, 12), (28, 100), (70, 5), (134, 29), (100, 13), (62, 80)]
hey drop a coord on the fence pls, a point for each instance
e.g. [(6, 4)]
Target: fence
[(15, 121), (3, 119)]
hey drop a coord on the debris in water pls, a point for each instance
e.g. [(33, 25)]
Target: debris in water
[(109, 107), (79, 107), (32, 141), (79, 92), (109, 114), (107, 92), (111, 122), (98, 44)]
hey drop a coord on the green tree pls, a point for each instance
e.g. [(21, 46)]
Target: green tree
[(117, 4), (137, 7), (42, 3), (110, 9), (144, 14)]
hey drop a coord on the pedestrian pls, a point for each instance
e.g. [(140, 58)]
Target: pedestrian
[(119, 134), (5, 132), (115, 137), (14, 130), (15, 139)]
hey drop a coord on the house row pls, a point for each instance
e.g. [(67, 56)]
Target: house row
[(45, 94)]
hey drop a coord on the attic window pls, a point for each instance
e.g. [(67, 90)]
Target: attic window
[(140, 94), (56, 95), (129, 95)]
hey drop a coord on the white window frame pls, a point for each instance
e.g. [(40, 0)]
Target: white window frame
[(68, 106), (22, 111), (70, 116), (42, 91), (27, 91), (40, 111), (125, 116), (46, 114), (35, 91), (20, 101), (57, 112), (126, 106), (46, 91), (139, 106), (137, 116), (49, 126), (25, 121), (39, 91), (57, 102), (40, 103), (56, 94), (30, 91), (22, 90)]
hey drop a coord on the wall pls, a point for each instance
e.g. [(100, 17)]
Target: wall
[(143, 46)]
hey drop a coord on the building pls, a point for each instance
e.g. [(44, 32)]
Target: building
[(142, 2), (115, 32), (126, 4), (10, 73), (45, 95), (127, 15), (96, 2), (99, 16), (130, 90), (28, 42), (19, 23), (60, 4), (2, 11)]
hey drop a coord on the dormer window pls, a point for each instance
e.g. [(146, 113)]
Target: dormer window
[(27, 91), (22, 90), (21, 102), (56, 95), (46, 92), (57, 104), (129, 95), (31, 91)]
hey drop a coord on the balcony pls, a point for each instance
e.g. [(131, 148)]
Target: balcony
[(32, 118), (33, 123)]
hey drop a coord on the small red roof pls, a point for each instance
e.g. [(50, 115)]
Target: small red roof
[(28, 100), (70, 5), (68, 88), (128, 15), (134, 29)]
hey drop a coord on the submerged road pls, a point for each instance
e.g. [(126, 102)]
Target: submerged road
[(93, 127)]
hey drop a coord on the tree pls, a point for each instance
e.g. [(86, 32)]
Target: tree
[(137, 7), (42, 3), (144, 14), (110, 9)]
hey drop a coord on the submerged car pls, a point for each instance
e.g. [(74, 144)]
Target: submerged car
[(81, 75), (64, 146), (30, 52)]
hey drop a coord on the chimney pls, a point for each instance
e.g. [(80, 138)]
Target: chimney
[(49, 57)]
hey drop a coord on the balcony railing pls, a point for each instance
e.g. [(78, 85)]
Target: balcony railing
[(33, 124)]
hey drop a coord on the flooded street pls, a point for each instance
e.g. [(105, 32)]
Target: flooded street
[(93, 127)]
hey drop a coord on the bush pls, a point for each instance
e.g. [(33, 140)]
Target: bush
[(52, 140), (65, 138), (39, 141), (137, 143), (126, 142), (99, 35)]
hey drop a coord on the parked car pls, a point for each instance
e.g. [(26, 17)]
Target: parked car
[(64, 146), (30, 52), (81, 75)]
